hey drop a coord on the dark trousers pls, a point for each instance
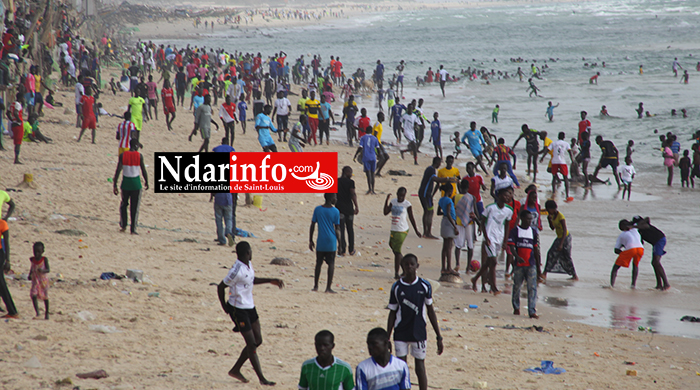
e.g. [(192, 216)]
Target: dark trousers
[(130, 199), (346, 224), (4, 291), (228, 127)]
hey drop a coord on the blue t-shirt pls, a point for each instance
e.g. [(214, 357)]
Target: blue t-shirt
[(326, 218), (396, 112), (198, 101), (223, 199), (435, 131), (242, 106), (676, 147), (448, 207), (325, 110), (223, 149), (368, 142), (409, 301), (380, 71), (476, 139), (371, 376)]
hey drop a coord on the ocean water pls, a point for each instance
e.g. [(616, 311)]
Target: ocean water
[(624, 34)]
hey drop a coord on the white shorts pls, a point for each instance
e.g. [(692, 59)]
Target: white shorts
[(418, 348), (465, 235), (494, 249)]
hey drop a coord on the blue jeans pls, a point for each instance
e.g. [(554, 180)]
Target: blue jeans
[(528, 274), (223, 214), (510, 171)]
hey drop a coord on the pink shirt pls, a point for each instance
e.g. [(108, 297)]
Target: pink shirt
[(152, 87), (30, 83)]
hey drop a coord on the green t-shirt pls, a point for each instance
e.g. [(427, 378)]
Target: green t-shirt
[(136, 103), (314, 377)]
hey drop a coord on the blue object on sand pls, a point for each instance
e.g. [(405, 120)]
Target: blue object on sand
[(108, 275), (242, 233), (547, 367), (473, 306)]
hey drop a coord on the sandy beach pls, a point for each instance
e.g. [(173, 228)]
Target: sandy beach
[(169, 331), (182, 339)]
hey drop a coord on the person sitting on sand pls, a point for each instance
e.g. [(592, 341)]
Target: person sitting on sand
[(328, 219), (241, 308)]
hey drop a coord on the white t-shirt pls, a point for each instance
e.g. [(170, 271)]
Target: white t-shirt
[(629, 240), (443, 74), (399, 213), (496, 219), (282, 106), (408, 122), (79, 92), (559, 150), (626, 172), (240, 282)]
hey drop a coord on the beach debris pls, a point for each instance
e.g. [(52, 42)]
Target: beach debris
[(481, 385), (690, 319), (27, 181), (473, 306), (110, 275), (282, 261), (64, 382), (188, 239), (631, 372), (40, 337), (33, 362), (399, 172), (71, 232), (99, 374), (546, 367), (85, 316), (134, 274), (154, 295), (54, 217), (269, 228), (629, 363), (106, 329), (450, 278)]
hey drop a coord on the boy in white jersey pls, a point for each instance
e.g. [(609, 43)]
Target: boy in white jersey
[(634, 250), (240, 280), (382, 371)]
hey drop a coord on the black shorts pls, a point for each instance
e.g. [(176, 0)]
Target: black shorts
[(270, 149), (243, 319), (282, 122), (531, 149), (427, 203), (180, 91), (328, 257), (612, 162)]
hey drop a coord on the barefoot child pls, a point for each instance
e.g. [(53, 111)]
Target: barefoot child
[(399, 208), (410, 296), (40, 283), (495, 218), (522, 242), (436, 135), (240, 306), (627, 173), (458, 148), (684, 165), (559, 255), (448, 229), (634, 250), (328, 219)]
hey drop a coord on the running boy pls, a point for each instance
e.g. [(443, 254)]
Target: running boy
[(40, 282), (240, 280), (410, 296), (458, 148), (495, 218), (634, 250)]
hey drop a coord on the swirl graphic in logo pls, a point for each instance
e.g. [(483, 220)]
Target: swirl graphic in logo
[(318, 181), (323, 182)]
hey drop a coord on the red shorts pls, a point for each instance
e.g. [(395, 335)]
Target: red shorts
[(17, 134), (624, 258), (89, 122), (560, 168), (168, 109)]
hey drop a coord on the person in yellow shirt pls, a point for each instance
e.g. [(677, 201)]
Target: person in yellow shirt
[(449, 171), (378, 128), (313, 108), (546, 150)]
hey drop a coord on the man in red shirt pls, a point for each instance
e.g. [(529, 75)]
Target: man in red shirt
[(87, 103), (337, 69), (584, 125), (168, 105), (17, 124), (476, 185)]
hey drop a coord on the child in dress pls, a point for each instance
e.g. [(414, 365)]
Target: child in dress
[(40, 283)]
